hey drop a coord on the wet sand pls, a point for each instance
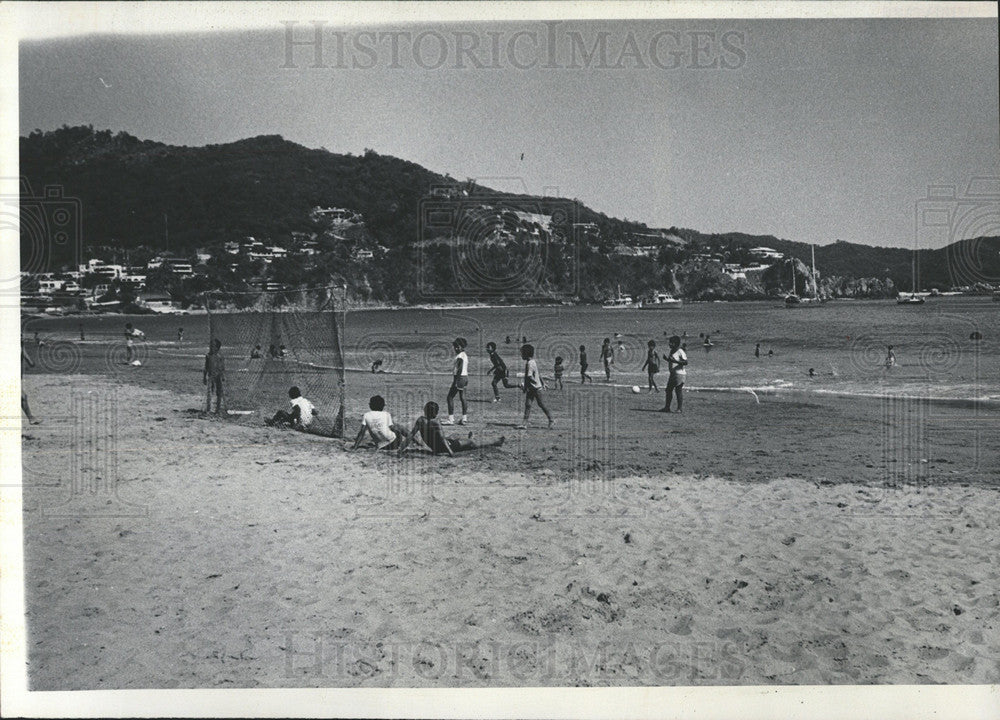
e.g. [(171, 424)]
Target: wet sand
[(786, 542)]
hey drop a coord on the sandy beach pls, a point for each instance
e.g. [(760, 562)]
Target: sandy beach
[(776, 551)]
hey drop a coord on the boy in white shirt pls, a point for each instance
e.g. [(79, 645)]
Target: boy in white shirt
[(300, 417), (378, 423), (676, 362), (532, 386), (459, 382)]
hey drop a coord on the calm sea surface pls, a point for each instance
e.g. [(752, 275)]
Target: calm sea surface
[(843, 341)]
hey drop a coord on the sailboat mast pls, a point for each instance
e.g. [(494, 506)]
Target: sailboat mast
[(815, 288)]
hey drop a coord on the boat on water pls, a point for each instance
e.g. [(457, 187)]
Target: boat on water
[(662, 301), (792, 300), (620, 301), (913, 298)]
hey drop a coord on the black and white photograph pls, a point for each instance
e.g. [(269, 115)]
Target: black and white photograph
[(604, 360)]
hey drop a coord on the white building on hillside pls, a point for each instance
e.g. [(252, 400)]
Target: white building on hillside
[(766, 252), (336, 216)]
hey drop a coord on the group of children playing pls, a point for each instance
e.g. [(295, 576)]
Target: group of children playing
[(427, 430), (532, 384)]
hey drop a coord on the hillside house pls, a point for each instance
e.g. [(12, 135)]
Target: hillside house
[(179, 266), (766, 252), (335, 216)]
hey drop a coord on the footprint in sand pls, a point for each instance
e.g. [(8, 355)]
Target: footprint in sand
[(933, 653), (899, 575), (733, 634), (682, 626)]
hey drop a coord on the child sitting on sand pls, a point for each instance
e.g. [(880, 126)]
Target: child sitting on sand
[(378, 423), (427, 429), (300, 417)]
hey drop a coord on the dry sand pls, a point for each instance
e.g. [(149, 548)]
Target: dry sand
[(243, 556)]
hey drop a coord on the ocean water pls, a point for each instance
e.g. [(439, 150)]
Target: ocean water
[(843, 341)]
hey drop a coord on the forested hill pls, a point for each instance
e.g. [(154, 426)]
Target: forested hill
[(261, 186), (149, 196)]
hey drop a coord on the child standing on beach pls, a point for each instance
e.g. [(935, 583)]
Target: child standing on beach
[(652, 365), (213, 377), (557, 372), (584, 377), (608, 358), (890, 358), (498, 369), (129, 343), (460, 380), (532, 386), (676, 362), (25, 360)]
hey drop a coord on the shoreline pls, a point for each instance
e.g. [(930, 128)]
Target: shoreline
[(351, 307)]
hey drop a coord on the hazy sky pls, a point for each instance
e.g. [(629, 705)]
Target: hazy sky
[(811, 130)]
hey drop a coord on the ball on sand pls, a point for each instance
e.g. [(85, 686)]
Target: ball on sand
[(136, 363), (636, 389)]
